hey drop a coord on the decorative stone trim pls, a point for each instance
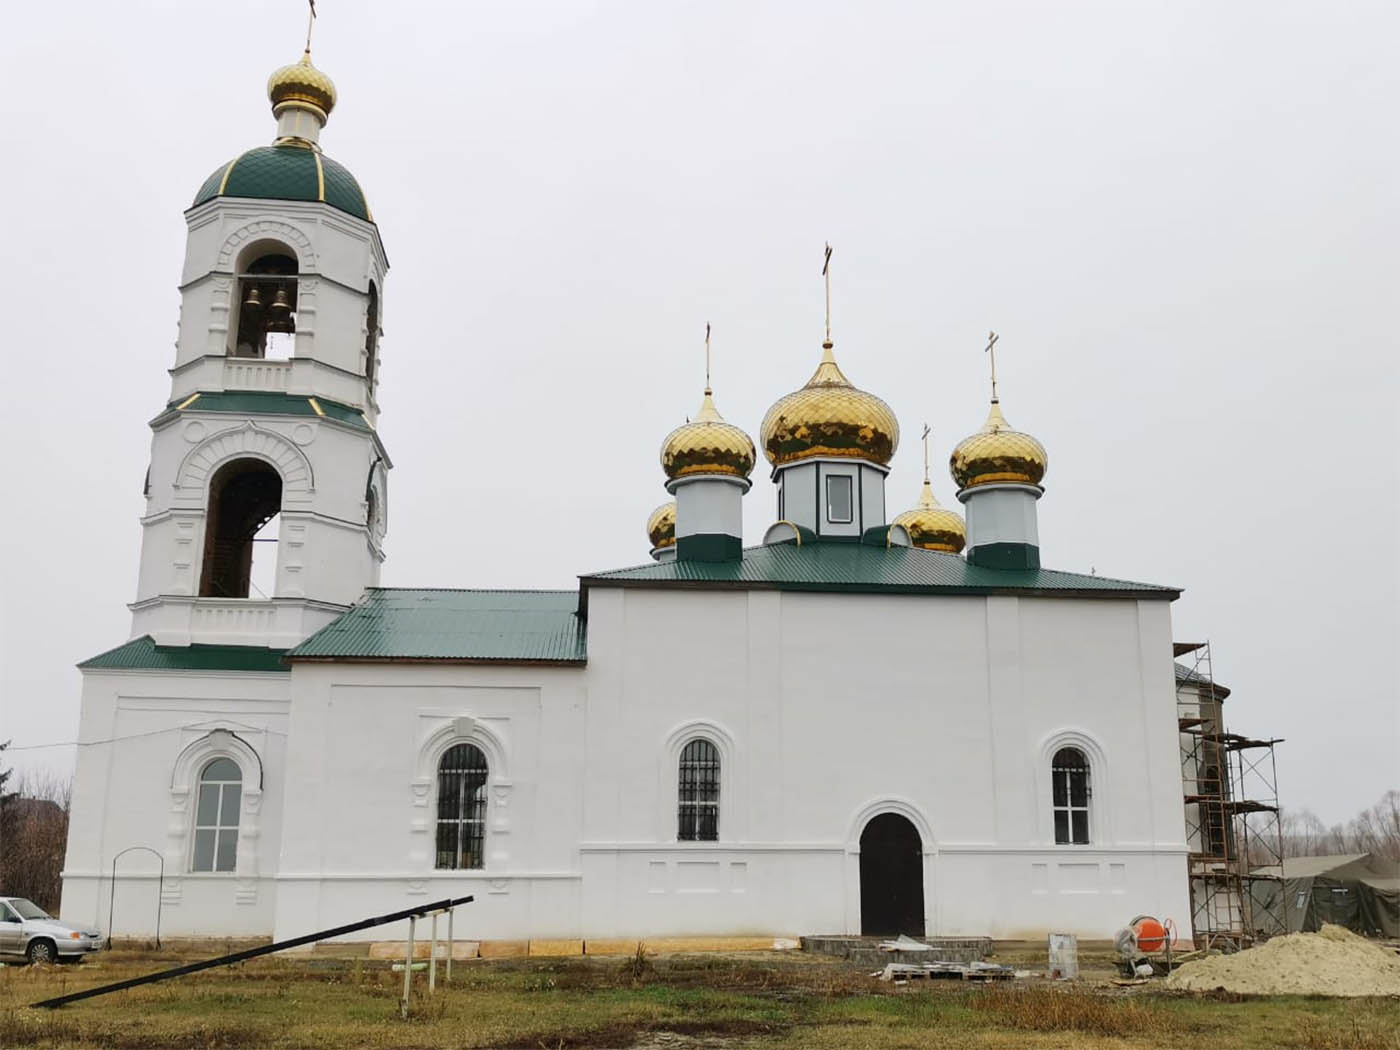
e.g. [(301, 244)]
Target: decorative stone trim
[(462, 729), (248, 440), (730, 778), (1100, 795), (217, 743), (890, 804), (268, 230)]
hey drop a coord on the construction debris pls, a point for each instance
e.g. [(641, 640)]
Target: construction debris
[(905, 943), (975, 971), (1333, 962)]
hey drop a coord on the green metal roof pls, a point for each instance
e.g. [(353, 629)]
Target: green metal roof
[(863, 568), (287, 173), (393, 623), (142, 654), (268, 402)]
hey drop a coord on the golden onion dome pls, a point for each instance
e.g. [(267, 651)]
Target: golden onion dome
[(707, 445), (829, 417), (661, 526), (996, 453), (931, 526), (301, 85)]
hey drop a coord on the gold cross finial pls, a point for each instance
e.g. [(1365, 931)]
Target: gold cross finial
[(707, 357), (310, 24), (991, 351), (826, 276), (926, 433)]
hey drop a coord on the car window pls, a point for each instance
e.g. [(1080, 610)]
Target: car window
[(6, 915), (28, 909)]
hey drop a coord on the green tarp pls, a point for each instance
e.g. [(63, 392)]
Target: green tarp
[(1359, 891)]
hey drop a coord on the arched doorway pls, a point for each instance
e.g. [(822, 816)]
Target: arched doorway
[(891, 877)]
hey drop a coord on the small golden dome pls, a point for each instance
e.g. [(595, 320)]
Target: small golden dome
[(303, 85), (829, 417), (661, 526), (933, 527), (707, 445), (996, 453)]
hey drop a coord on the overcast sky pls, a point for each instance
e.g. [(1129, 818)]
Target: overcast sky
[(1182, 218)]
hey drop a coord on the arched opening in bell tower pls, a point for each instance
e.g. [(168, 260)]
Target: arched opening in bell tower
[(371, 335), (267, 303), (245, 498)]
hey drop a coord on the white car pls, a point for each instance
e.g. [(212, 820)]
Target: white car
[(25, 929)]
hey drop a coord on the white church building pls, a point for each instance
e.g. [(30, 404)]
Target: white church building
[(895, 723)]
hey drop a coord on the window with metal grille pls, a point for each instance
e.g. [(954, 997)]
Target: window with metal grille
[(1069, 781), (461, 807), (697, 815), (216, 817)]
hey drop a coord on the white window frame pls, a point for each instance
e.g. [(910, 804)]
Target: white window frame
[(1101, 780), (218, 828), (193, 759), (733, 786), (850, 499), (442, 732)]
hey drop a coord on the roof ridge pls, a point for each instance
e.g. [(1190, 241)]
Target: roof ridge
[(481, 590)]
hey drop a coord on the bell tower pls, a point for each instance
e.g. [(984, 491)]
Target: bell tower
[(266, 495)]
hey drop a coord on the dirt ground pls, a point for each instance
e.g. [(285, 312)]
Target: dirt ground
[(675, 1002)]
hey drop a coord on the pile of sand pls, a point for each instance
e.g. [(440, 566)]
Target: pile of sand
[(1333, 961)]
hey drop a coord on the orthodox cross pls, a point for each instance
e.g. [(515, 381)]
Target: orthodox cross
[(707, 357), (991, 351), (310, 23), (925, 436), (826, 276)]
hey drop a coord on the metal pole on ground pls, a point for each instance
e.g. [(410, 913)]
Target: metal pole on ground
[(408, 969), (451, 914), (249, 953), (432, 958)]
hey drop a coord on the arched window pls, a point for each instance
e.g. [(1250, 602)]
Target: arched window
[(216, 817), (244, 496), (267, 304), (1069, 784), (697, 800), (461, 805), (371, 334)]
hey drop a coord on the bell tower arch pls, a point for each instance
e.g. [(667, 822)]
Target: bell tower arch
[(266, 499)]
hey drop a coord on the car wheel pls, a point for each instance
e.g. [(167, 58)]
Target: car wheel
[(41, 952)]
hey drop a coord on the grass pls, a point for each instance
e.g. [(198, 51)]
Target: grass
[(753, 999)]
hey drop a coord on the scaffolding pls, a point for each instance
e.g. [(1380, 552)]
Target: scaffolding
[(1230, 790)]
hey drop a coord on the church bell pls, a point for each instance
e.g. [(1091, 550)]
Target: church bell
[(280, 313), (253, 301)]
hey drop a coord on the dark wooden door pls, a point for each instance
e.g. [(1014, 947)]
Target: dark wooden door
[(891, 878)]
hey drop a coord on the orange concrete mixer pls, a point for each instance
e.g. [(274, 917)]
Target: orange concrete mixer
[(1145, 936), (1152, 936)]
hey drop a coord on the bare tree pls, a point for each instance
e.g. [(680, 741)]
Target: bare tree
[(34, 837), (1375, 830)]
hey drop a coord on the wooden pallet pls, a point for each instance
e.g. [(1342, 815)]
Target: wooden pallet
[(946, 971)]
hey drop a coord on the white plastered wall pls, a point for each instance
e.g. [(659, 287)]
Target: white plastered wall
[(146, 736), (827, 709)]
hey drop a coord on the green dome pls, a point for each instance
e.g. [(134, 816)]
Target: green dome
[(287, 173)]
